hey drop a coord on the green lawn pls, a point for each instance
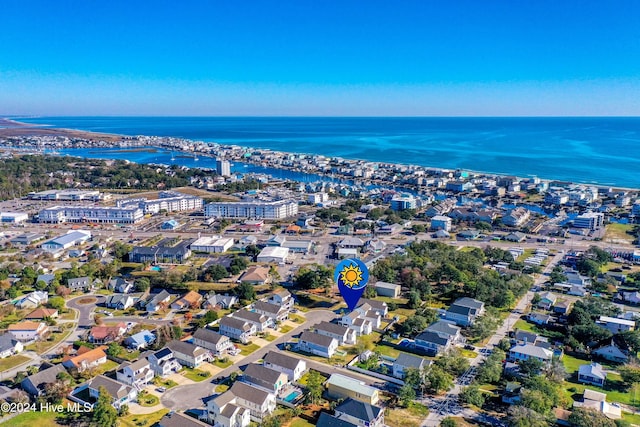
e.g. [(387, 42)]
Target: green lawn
[(36, 418), (109, 365), (613, 387), (523, 325), (164, 382), (407, 417), (632, 418), (195, 374), (247, 349), (468, 353), (572, 364), (223, 364), (286, 328), (300, 422), (270, 337), (618, 232), (296, 319), (221, 388), (12, 362), (134, 420), (146, 399), (386, 350)]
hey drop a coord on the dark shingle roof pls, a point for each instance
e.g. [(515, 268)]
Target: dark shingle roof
[(280, 359), (49, 375), (432, 337), (208, 335), (360, 410), (327, 420), (332, 328), (316, 338)]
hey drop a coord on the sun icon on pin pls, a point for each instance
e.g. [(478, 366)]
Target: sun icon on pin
[(351, 275)]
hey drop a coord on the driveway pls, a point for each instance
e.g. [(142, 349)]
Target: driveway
[(190, 396)]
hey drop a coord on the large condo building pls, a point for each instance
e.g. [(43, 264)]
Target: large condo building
[(255, 209), (168, 201), (223, 167), (60, 214)]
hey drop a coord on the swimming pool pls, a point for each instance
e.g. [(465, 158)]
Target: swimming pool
[(156, 268), (292, 396)]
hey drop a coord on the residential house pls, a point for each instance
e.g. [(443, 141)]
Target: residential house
[(223, 410), (524, 337), (265, 378), (446, 329), (579, 291), (157, 301), (527, 351), (121, 394), (139, 340), (356, 324), (629, 297), (260, 321), (175, 419), (616, 325), (189, 300), (188, 354), (433, 343), (35, 384), (516, 237), (547, 300), (612, 349), (293, 367), (9, 345), (511, 393), (42, 313), (137, 374), (343, 387), (539, 318), (216, 343), (516, 217), (120, 285), (79, 284), (220, 301), (119, 301), (260, 404), (104, 334), (28, 331), (163, 363), (342, 334), (386, 289), (592, 373), (47, 278), (351, 243), (464, 311), (256, 275), (406, 361), (33, 300), (237, 329), (562, 307), (275, 312), (86, 359), (320, 345), (360, 413), (379, 307), (597, 401), (326, 420), (375, 245), (365, 311), (283, 298)]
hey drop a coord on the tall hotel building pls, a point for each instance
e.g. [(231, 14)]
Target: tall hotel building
[(120, 215), (255, 209)]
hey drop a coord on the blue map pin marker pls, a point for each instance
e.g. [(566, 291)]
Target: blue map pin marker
[(352, 276)]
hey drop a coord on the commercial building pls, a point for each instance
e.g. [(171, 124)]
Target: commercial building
[(69, 194), (13, 217), (110, 214), (162, 252), (223, 167), (441, 222), (589, 220), (273, 254), (256, 209), (404, 201), (168, 201), (211, 245)]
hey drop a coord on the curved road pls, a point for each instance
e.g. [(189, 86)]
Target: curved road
[(190, 396)]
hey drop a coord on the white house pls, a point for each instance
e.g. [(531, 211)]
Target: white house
[(320, 345), (237, 329), (163, 363), (28, 331), (292, 366), (137, 374), (616, 325), (9, 345), (592, 373), (188, 354), (260, 404), (341, 333), (405, 361), (121, 394), (527, 351), (216, 343)]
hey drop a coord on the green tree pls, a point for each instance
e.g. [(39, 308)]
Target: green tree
[(530, 367), (520, 416), (438, 379), (245, 291), (142, 284), (582, 417), (114, 349), (448, 422), (104, 414), (406, 395), (57, 303), (251, 251), (472, 396), (314, 386), (316, 277), (630, 373), (414, 299)]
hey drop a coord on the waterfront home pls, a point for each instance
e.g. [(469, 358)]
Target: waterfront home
[(163, 363), (28, 331), (265, 378), (35, 384), (86, 359), (320, 345), (104, 334), (406, 361), (386, 289), (612, 349), (464, 311), (343, 334), (360, 413), (275, 312), (119, 301), (9, 345), (616, 325), (293, 367), (260, 321), (137, 374), (188, 354), (592, 373), (120, 394), (283, 298), (139, 340), (190, 300), (343, 387), (529, 351), (237, 329), (216, 343)]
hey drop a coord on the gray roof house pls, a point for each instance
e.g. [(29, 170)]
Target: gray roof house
[(360, 413), (432, 343), (216, 343), (592, 373), (292, 366), (320, 345), (406, 361), (265, 378), (34, 384), (79, 283), (464, 311)]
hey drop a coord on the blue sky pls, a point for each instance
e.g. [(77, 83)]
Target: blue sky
[(299, 57)]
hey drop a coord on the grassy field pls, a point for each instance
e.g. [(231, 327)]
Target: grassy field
[(286, 328), (386, 350), (299, 422), (195, 374), (523, 325), (618, 233), (296, 318), (407, 417), (146, 399), (12, 362), (223, 364), (206, 286), (36, 418), (247, 349), (270, 337), (164, 382), (221, 388), (134, 420)]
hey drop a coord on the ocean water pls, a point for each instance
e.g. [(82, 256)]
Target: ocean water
[(600, 150)]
